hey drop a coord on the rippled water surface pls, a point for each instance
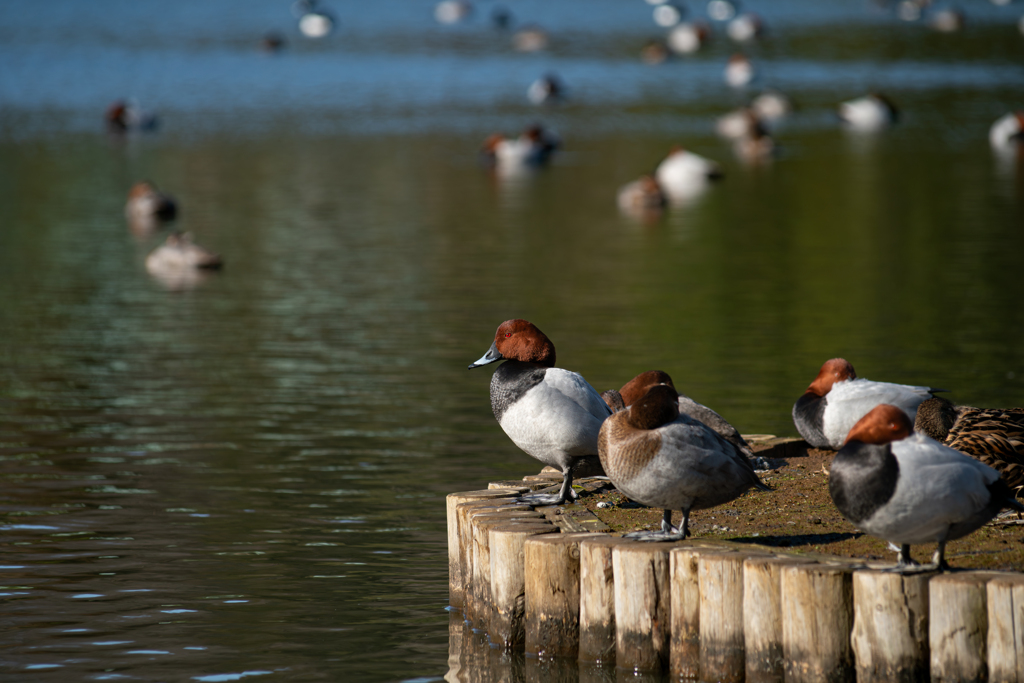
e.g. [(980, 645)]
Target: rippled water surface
[(243, 476)]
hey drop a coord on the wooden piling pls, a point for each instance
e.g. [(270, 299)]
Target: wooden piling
[(958, 626), (597, 600), (890, 626), (762, 616), (508, 582), (463, 515), (684, 644), (552, 564), (452, 501), (1005, 600), (817, 616), (642, 604), (478, 593), (721, 617)]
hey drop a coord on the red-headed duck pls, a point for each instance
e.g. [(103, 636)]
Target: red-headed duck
[(642, 196), (552, 414), (1007, 130), (147, 203), (125, 116), (906, 488), (179, 252), (739, 71), (688, 37), (662, 458), (547, 89), (995, 436), (635, 389), (837, 399), (870, 112), (532, 148), (683, 174)]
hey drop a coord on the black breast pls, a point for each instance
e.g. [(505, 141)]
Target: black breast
[(807, 414), (510, 381), (862, 479)]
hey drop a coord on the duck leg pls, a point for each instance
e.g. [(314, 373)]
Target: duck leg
[(939, 558), (667, 533), (565, 495)]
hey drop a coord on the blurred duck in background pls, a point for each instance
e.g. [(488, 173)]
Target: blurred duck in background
[(683, 175), (745, 27), (688, 37), (533, 148), (124, 116), (771, 105), (452, 11), (946, 20), (179, 253), (868, 113), (641, 198), (654, 52), (530, 38), (548, 89), (314, 21), (1008, 130), (147, 204), (739, 71)]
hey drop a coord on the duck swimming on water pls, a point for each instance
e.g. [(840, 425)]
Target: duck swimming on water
[(552, 414)]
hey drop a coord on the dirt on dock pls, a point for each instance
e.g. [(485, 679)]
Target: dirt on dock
[(799, 515)]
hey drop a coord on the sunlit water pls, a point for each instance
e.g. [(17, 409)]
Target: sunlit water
[(244, 476)]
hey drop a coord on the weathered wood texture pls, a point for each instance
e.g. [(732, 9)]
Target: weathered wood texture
[(684, 644), (890, 626), (552, 565), (508, 582), (452, 501), (958, 626), (642, 604), (817, 616), (597, 600), (1006, 629), (463, 520), (721, 617), (478, 594), (762, 617)]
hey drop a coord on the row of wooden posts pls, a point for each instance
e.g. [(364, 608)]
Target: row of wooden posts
[(718, 611)]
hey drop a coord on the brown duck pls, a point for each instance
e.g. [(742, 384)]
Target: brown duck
[(995, 436)]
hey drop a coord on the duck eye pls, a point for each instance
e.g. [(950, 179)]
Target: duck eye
[(507, 335)]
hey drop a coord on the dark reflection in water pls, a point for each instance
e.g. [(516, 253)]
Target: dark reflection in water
[(243, 475)]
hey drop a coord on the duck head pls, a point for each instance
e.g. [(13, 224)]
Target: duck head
[(834, 370), (519, 340), (660, 405), (883, 424), (636, 388)]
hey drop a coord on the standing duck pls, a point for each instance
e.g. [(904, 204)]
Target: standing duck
[(635, 389), (662, 458), (836, 399), (995, 436), (907, 488), (552, 414)]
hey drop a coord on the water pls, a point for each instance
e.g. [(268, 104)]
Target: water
[(245, 477)]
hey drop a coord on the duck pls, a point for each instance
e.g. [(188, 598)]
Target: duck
[(643, 195), (530, 38), (739, 71), (316, 22), (745, 27), (837, 398), (739, 123), (179, 253), (147, 203), (552, 414), (635, 388), (660, 457), (452, 11), (532, 148), (948, 20), (683, 174), (547, 89), (654, 52), (995, 436), (771, 105), (754, 149), (871, 112), (906, 488), (1007, 130), (667, 15), (689, 36), (124, 116)]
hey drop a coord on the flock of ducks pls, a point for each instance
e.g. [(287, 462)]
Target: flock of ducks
[(911, 468)]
